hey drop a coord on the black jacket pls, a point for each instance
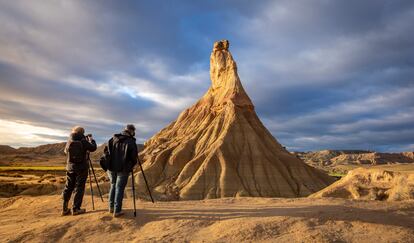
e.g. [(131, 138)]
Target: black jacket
[(87, 146), (123, 152)]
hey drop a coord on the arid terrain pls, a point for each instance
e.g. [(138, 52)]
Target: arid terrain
[(359, 208), (362, 206), (372, 184), (43, 155), (331, 161), (218, 175), (342, 161), (37, 219)]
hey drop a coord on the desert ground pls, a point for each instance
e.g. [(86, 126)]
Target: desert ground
[(30, 212), (37, 219), (33, 215)]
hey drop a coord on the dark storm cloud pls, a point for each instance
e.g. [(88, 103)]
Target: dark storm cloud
[(322, 74)]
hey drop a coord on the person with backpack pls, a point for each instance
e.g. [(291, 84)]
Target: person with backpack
[(76, 149), (123, 152)]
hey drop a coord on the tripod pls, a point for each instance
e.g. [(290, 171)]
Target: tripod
[(90, 168), (145, 179), (133, 185)]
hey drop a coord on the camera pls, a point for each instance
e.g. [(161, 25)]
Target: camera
[(89, 137)]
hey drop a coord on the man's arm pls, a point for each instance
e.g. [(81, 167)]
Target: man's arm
[(89, 145)]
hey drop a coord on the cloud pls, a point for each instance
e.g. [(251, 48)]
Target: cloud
[(21, 134), (321, 74), (377, 121)]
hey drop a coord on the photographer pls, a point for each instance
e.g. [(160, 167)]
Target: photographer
[(123, 152), (76, 150)]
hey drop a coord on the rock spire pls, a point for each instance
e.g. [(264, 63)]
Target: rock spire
[(219, 148)]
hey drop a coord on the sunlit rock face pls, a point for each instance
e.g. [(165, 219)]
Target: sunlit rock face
[(371, 184), (219, 148)]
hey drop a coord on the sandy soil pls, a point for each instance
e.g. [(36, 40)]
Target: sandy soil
[(36, 219)]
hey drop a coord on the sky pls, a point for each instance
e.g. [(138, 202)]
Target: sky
[(321, 74)]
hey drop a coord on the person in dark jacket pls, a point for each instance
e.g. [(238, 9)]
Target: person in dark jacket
[(123, 153), (76, 149)]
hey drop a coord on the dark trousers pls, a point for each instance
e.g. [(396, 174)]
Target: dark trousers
[(75, 181), (116, 193)]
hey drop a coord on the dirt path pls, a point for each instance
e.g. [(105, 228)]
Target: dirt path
[(36, 219)]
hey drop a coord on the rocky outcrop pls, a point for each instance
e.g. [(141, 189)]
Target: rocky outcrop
[(371, 184), (219, 148)]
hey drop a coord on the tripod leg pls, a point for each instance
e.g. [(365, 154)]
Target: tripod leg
[(133, 192), (145, 179), (90, 184), (96, 181)]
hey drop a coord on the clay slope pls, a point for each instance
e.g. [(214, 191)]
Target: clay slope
[(219, 148), (371, 184)]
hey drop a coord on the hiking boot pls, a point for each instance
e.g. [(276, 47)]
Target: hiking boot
[(78, 211), (65, 209), (111, 210), (66, 212), (118, 214)]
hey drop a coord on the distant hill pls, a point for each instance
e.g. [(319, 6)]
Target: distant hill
[(6, 149), (43, 155), (48, 149), (328, 159)]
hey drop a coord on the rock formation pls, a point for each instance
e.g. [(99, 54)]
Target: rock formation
[(219, 148), (371, 184), (341, 161)]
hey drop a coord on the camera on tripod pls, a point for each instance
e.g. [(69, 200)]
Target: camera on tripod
[(89, 136)]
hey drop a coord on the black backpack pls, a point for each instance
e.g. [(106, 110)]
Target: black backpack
[(105, 159), (75, 150)]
